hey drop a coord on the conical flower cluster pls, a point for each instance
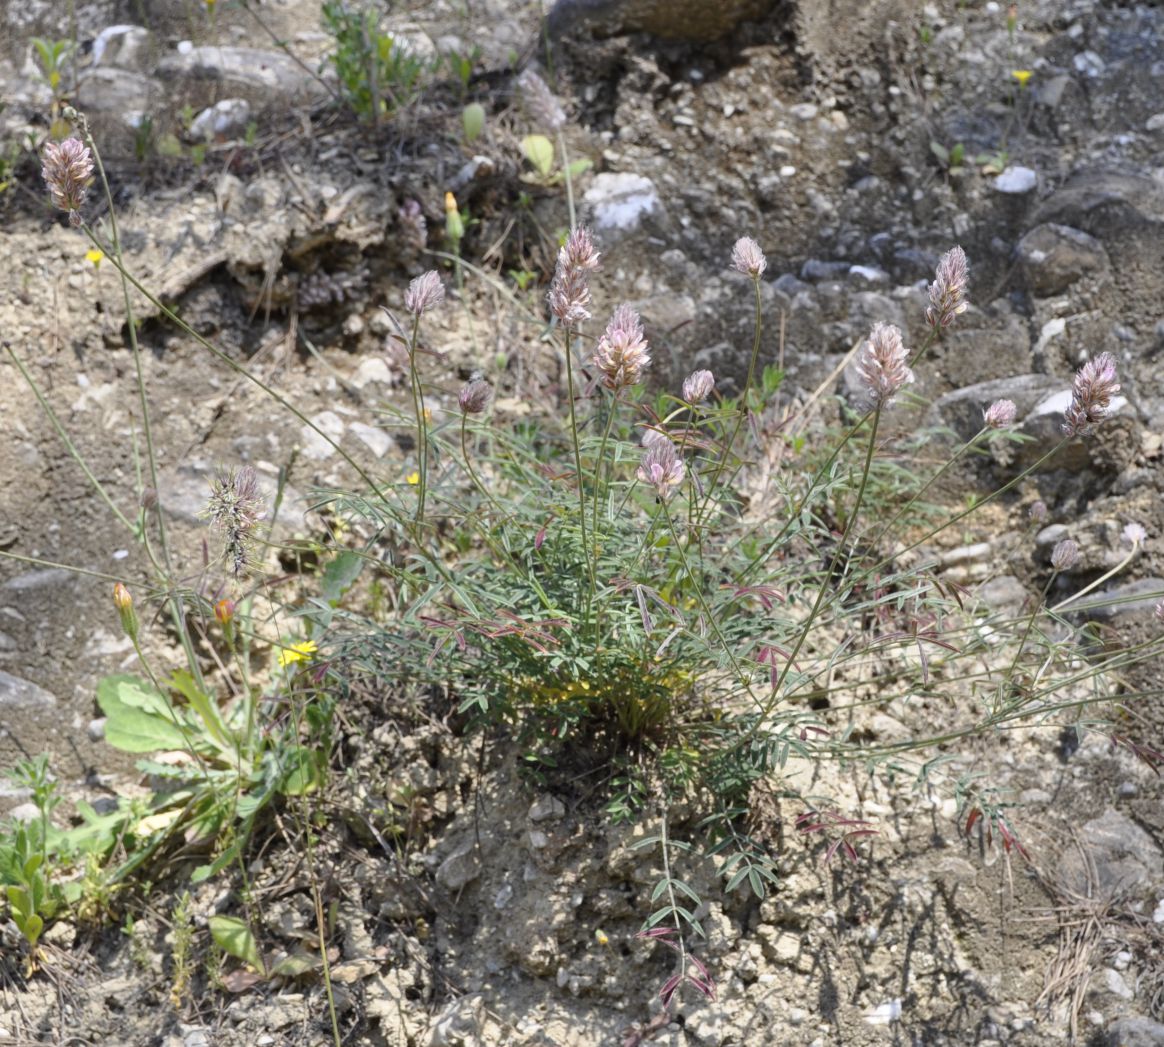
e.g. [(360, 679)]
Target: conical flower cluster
[(569, 295), (621, 355)]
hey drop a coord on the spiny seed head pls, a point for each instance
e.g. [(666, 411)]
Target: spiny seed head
[(569, 295), (540, 103), (621, 355), (1095, 385), (948, 291), (234, 509), (661, 467), (424, 293), (883, 365), (999, 414), (747, 258), (67, 168), (698, 386), (1065, 555), (474, 396)]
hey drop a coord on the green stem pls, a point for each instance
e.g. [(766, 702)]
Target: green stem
[(721, 464), (841, 549), (67, 441)]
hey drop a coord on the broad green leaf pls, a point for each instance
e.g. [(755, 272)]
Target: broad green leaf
[(138, 719), (339, 574), (304, 771), (539, 151), (206, 708), (473, 119), (205, 872), (234, 937)]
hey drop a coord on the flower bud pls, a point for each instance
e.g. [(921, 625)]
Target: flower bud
[(454, 225), (698, 386), (1065, 555), (123, 601), (474, 396), (224, 612)]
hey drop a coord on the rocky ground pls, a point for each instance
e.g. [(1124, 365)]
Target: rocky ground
[(278, 227)]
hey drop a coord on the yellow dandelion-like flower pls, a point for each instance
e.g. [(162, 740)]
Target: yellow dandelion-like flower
[(297, 652), (413, 478), (94, 256), (601, 937), (1023, 76)]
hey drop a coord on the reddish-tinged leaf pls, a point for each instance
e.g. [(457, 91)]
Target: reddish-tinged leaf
[(973, 819), (540, 538)]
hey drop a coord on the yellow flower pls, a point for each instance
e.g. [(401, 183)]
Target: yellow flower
[(601, 937), (413, 478), (94, 255), (1022, 76), (297, 652)]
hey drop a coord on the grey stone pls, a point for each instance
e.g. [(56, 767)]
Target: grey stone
[(815, 270), (1016, 180), (16, 693), (1119, 859), (546, 808), (461, 867), (1052, 257), (246, 71), (1104, 202), (120, 45), (315, 444), (1135, 1032), (222, 121), (24, 812), (460, 1024), (1005, 594), (620, 201), (1138, 597), (962, 409), (41, 578), (1114, 983), (129, 96), (671, 19), (376, 440)]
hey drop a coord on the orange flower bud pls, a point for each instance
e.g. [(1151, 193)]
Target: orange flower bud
[(123, 601), (224, 611)]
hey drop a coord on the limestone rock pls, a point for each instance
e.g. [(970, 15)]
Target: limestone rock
[(1052, 257)]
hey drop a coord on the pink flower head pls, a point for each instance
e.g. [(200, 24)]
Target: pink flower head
[(948, 291), (474, 396), (540, 102), (424, 293), (569, 295), (999, 414), (661, 468), (747, 258), (621, 354), (67, 169), (698, 386), (1065, 555), (1095, 385), (883, 365)]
